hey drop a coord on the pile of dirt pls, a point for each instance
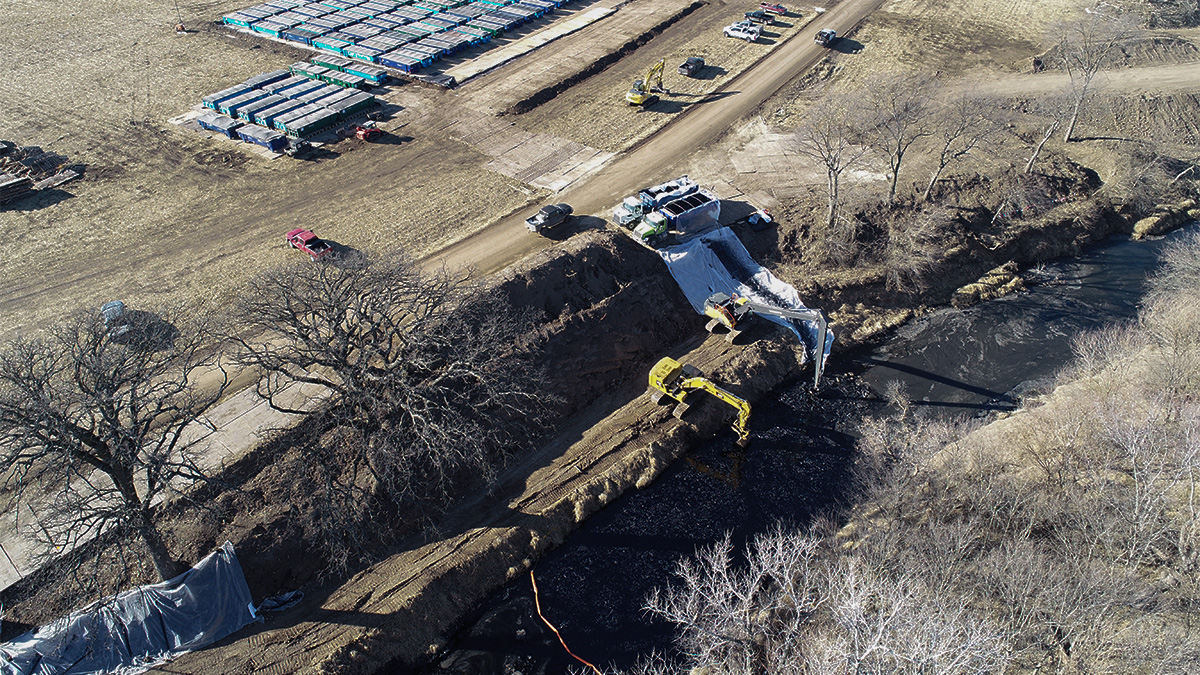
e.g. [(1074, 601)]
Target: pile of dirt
[(611, 308)]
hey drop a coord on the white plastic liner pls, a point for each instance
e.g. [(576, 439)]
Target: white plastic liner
[(129, 632), (717, 262)]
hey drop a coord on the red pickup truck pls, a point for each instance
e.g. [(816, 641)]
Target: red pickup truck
[(308, 242)]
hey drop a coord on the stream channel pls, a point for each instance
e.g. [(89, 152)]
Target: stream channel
[(972, 362)]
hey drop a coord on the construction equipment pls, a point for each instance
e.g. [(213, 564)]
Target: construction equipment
[(688, 214), (367, 131), (643, 91), (731, 312), (676, 381), (634, 207)]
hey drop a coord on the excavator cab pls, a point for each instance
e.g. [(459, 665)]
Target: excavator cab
[(725, 310), (672, 379)]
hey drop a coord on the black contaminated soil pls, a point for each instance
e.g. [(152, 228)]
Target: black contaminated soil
[(797, 469)]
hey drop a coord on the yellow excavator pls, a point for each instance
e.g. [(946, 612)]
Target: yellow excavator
[(676, 381), (643, 91), (732, 311)]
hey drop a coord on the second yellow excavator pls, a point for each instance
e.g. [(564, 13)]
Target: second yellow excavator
[(733, 311), (643, 91), (676, 381)]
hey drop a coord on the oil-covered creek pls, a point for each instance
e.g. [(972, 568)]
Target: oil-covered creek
[(959, 362)]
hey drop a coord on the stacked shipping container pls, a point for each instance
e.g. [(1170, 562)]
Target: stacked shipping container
[(267, 109), (385, 32)]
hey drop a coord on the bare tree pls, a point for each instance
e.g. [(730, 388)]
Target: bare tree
[(962, 124), (912, 246), (94, 424), (433, 375), (831, 136), (1085, 47), (898, 117), (797, 606)]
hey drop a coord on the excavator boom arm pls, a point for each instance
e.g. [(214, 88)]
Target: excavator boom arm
[(818, 352), (742, 426)]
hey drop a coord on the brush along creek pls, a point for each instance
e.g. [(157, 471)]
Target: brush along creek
[(978, 360)]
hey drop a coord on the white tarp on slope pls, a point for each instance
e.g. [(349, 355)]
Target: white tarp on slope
[(128, 632), (717, 262)]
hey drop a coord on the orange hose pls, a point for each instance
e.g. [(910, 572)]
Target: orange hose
[(538, 603)]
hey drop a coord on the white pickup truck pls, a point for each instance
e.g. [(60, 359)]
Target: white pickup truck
[(744, 30)]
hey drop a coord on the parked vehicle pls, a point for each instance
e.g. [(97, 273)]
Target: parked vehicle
[(297, 147), (686, 215), (308, 242), (772, 8), (367, 131), (634, 207), (548, 217), (691, 66), (115, 320), (744, 30), (760, 16), (826, 37)]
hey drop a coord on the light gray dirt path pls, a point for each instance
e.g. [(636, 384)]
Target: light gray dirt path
[(1165, 79), (653, 160)]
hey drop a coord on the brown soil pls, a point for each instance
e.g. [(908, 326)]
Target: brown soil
[(164, 215)]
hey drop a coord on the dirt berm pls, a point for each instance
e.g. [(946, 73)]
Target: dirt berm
[(612, 311)]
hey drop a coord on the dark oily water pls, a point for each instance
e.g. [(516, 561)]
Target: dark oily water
[(796, 469), (593, 587), (986, 357)]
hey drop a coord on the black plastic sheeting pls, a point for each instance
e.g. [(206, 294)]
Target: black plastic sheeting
[(129, 632)]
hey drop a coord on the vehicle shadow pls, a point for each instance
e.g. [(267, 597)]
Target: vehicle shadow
[(344, 257), (573, 226), (847, 46), (671, 106), (709, 72), (148, 332), (392, 139), (317, 154)]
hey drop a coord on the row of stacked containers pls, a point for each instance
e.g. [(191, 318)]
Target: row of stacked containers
[(267, 109), (406, 35)]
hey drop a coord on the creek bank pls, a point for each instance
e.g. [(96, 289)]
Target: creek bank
[(611, 312)]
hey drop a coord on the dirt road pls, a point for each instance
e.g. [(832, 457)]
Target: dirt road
[(652, 161), (1165, 79)]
